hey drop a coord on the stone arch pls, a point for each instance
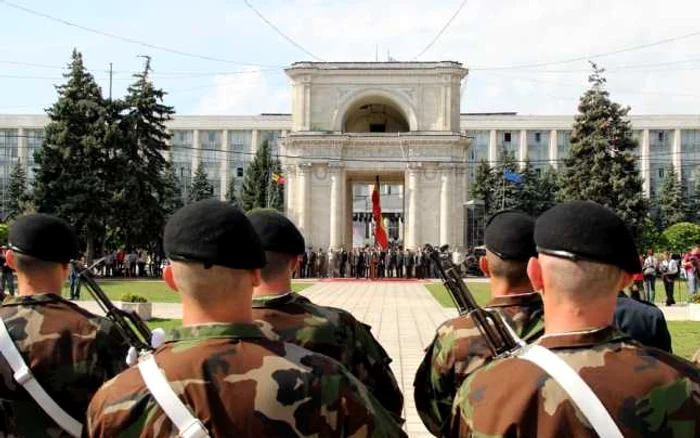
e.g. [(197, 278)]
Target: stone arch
[(392, 100)]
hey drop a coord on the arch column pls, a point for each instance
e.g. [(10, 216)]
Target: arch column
[(304, 198), (411, 227), (446, 204), (337, 218)]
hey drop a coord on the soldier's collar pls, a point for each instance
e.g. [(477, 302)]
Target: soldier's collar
[(582, 338), (19, 300), (215, 331), (273, 300), (515, 300)]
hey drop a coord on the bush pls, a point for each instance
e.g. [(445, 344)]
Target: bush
[(133, 298), (695, 299), (682, 236)]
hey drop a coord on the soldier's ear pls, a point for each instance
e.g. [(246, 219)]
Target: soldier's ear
[(10, 259), (534, 271), (256, 277), (484, 266), (169, 278)]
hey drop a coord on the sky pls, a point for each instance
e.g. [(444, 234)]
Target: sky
[(517, 51)]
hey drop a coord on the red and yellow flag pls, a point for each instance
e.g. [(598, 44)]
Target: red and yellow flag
[(379, 232), (279, 179)]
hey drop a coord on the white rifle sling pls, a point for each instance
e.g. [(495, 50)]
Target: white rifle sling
[(23, 375), (578, 390), (187, 424)]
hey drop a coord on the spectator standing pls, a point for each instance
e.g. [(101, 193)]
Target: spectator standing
[(690, 264), (141, 263), (74, 283), (649, 269), (119, 261), (8, 275), (669, 271), (399, 263)]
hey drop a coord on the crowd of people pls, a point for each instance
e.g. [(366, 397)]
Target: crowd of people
[(671, 269), (255, 359), (131, 264)]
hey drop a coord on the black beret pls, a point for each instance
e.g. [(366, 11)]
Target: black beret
[(44, 237), (277, 233), (214, 233), (584, 230), (509, 235)]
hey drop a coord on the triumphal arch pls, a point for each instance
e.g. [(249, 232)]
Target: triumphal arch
[(353, 122)]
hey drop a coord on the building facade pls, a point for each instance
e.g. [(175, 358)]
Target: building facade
[(354, 122)]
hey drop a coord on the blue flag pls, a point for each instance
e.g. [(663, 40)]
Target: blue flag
[(512, 177)]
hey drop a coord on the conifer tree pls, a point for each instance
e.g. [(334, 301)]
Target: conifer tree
[(694, 200), (601, 166), (172, 197), (548, 188), (201, 188), (530, 195), (141, 187), (671, 206), (231, 190), (73, 162), (276, 200), (506, 194), (483, 185), (17, 194), (256, 181)]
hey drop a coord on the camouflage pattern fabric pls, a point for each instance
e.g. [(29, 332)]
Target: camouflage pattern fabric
[(459, 348), (337, 334), (648, 392), (71, 353), (240, 383)]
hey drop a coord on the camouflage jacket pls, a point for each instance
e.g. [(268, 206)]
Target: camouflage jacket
[(240, 383), (459, 348), (335, 333), (648, 392), (70, 351)]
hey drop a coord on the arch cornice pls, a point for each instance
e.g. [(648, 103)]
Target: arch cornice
[(402, 103)]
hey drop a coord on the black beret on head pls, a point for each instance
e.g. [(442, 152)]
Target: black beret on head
[(509, 235), (587, 231), (214, 233), (277, 233), (44, 237)]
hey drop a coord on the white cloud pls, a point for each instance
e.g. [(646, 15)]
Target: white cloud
[(249, 93)]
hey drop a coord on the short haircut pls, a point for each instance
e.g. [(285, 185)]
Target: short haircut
[(277, 265), (30, 265), (513, 271), (208, 285), (580, 281)]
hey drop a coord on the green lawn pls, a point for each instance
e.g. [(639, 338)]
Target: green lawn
[(155, 291), (685, 335)]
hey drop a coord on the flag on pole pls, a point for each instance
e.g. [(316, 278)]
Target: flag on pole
[(512, 177), (379, 232), (279, 179)]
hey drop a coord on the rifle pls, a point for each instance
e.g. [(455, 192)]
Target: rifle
[(128, 323), (500, 338)]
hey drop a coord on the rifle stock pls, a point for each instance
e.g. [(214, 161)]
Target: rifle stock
[(500, 338), (129, 324)]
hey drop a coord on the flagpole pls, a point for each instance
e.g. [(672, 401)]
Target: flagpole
[(503, 193)]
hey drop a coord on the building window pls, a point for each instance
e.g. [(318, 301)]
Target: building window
[(377, 127), (239, 172), (661, 136), (506, 137), (538, 137), (661, 173)]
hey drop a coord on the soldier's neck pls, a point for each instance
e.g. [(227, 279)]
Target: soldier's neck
[(275, 287), (238, 312), (563, 316), (38, 286), (501, 287)]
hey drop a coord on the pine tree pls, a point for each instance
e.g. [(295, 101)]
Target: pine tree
[(483, 185), (600, 166), (17, 194), (73, 162), (231, 196), (276, 195), (694, 200), (548, 188), (506, 195), (201, 188), (530, 195), (172, 197), (141, 188), (671, 206), (256, 181)]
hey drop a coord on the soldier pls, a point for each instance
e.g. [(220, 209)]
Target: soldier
[(599, 382), (70, 352), (327, 330), (643, 322), (459, 348), (219, 374)]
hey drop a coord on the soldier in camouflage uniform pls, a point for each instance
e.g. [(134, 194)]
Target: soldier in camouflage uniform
[(586, 255), (70, 351), (234, 379), (327, 330), (459, 348)]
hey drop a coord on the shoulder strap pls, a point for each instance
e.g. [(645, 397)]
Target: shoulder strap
[(580, 393), (186, 423), (23, 375)]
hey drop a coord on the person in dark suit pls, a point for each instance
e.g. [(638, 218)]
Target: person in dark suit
[(642, 321)]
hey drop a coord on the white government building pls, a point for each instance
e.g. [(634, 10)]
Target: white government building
[(399, 121)]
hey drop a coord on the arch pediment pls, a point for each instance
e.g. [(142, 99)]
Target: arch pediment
[(398, 108)]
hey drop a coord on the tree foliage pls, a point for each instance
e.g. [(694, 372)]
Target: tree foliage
[(18, 198), (259, 191), (601, 166), (201, 188), (671, 205), (484, 181), (682, 236), (231, 191), (74, 159), (694, 200), (172, 196)]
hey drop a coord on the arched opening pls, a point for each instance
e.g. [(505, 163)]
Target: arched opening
[(376, 115)]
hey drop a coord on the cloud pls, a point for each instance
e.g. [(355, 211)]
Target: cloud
[(250, 93)]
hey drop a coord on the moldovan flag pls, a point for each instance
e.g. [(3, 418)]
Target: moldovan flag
[(379, 232), (279, 179)]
